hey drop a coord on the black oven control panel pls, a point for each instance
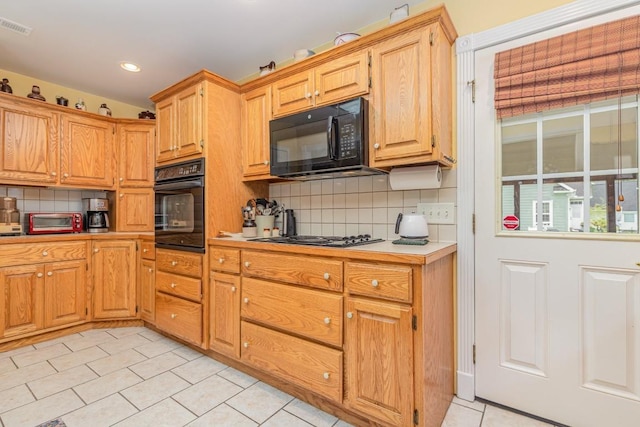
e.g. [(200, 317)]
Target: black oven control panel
[(192, 168)]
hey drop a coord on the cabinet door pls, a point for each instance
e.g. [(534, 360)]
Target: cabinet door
[(224, 314), (379, 357), (28, 145), (135, 209), (189, 117), (65, 293), (294, 93), (114, 279), (87, 157), (148, 290), (342, 78), (136, 156), (256, 113), (165, 130), (21, 297), (401, 98)]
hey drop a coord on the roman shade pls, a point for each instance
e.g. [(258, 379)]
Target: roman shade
[(587, 65)]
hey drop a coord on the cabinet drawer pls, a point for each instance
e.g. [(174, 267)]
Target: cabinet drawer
[(179, 317), (20, 254), (380, 281), (184, 263), (307, 312), (227, 260), (148, 250), (180, 286), (306, 364), (320, 273)]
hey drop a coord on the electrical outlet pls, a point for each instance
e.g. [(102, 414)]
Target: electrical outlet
[(438, 213)]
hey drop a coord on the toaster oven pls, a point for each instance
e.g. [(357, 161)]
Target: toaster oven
[(51, 223)]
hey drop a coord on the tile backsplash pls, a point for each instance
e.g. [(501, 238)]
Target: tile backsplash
[(35, 199), (360, 205)]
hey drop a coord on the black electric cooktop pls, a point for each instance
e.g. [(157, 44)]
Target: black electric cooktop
[(330, 241)]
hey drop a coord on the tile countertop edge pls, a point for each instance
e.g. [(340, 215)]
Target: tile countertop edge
[(382, 251), (33, 238)]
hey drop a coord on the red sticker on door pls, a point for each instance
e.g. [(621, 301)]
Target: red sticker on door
[(511, 222)]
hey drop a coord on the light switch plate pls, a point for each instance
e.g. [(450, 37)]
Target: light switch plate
[(438, 213)]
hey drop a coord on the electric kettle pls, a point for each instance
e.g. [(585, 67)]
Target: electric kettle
[(412, 226)]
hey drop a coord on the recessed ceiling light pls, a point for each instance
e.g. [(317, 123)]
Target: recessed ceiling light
[(129, 66)]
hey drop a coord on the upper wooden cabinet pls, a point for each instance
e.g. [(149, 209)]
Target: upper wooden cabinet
[(180, 124), (87, 152), (337, 80), (133, 209), (411, 99), (136, 144), (28, 144), (255, 116)]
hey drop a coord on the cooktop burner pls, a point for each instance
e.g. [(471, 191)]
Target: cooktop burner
[(331, 241)]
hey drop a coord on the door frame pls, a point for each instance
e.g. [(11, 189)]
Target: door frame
[(466, 47)]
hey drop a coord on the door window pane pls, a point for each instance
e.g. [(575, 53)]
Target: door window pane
[(563, 145), (519, 149)]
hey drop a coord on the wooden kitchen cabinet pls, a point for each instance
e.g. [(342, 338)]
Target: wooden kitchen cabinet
[(114, 264), (65, 293), (136, 145), (22, 297), (28, 144), (411, 98), (340, 79), (134, 209), (379, 360), (224, 313), (148, 290), (255, 116), (179, 124), (87, 152)]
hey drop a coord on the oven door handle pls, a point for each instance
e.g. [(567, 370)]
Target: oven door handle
[(179, 185)]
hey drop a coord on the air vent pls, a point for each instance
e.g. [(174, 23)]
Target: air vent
[(14, 26)]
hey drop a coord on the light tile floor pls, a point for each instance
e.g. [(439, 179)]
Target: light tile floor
[(137, 377)]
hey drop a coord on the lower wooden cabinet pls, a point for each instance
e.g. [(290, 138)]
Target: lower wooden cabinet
[(148, 290), (65, 293), (179, 317), (224, 314), (22, 297), (114, 279)]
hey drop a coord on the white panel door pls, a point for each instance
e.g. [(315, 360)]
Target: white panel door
[(557, 315)]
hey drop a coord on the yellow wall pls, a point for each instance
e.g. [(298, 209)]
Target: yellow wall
[(22, 85)]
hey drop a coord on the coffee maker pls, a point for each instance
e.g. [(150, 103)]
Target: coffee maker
[(96, 215)]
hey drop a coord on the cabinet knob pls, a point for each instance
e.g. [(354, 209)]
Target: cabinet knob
[(65, 175), (45, 253), (247, 264), (326, 276), (121, 179), (266, 162), (233, 289), (145, 250), (173, 285), (151, 270), (173, 315), (327, 320), (174, 263), (121, 195), (349, 315), (96, 250), (317, 93), (39, 275), (376, 145), (308, 95), (374, 283), (49, 273), (246, 300), (326, 375), (246, 345), (221, 260), (54, 174)]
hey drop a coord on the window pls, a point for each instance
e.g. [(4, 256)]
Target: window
[(574, 162)]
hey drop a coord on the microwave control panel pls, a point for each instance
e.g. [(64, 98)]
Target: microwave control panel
[(348, 141)]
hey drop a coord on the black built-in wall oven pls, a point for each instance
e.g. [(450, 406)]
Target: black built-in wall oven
[(179, 206)]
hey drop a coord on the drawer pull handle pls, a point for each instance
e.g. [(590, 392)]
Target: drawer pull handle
[(317, 93), (326, 375), (247, 264), (121, 179), (174, 263), (173, 285), (121, 195), (221, 260), (349, 315), (39, 275), (45, 253), (246, 345), (233, 289), (65, 175), (54, 174), (246, 300), (374, 283), (376, 145), (49, 273), (326, 276), (145, 250), (266, 162), (173, 315), (151, 270), (96, 250), (327, 320)]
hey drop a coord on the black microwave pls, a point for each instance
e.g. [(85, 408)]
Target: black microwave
[(324, 142)]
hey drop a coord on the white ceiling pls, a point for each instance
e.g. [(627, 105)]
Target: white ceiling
[(80, 43)]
